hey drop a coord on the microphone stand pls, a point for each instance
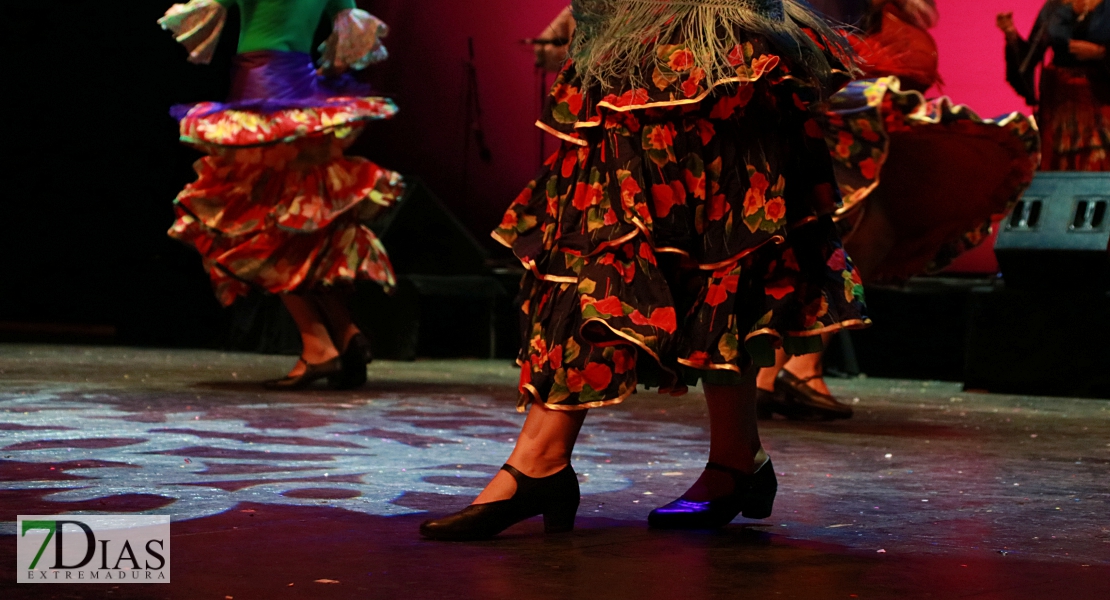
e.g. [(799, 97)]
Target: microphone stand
[(473, 120)]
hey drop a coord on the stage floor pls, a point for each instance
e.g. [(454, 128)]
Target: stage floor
[(929, 492)]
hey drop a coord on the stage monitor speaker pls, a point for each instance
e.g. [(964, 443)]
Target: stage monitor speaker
[(423, 237), (447, 300), (1058, 235)]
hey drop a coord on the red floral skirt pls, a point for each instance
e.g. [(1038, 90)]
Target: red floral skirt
[(675, 235), (287, 213), (1075, 120)]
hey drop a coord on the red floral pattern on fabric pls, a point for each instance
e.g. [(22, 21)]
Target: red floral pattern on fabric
[(340, 117), (286, 217), (674, 82), (695, 235)]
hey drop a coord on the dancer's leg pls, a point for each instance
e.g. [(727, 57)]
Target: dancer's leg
[(765, 380), (318, 346), (812, 365), (803, 367), (733, 438), (543, 448), (333, 303)]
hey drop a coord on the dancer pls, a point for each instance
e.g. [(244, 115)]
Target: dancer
[(277, 206), (1073, 107), (553, 43), (682, 231), (922, 180)]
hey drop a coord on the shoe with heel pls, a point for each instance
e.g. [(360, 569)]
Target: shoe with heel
[(752, 496), (312, 372), (354, 358), (556, 497), (800, 402), (767, 403)]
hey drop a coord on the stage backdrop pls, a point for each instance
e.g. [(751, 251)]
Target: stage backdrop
[(971, 63), (971, 52)]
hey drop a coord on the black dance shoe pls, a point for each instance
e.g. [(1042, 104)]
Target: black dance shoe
[(555, 497), (768, 403), (752, 496), (312, 372), (804, 403), (354, 359)]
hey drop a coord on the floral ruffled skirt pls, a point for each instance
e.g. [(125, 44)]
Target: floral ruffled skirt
[(277, 205), (676, 232), (922, 180)]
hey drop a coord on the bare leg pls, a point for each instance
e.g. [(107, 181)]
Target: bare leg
[(803, 366), (338, 317), (543, 448), (318, 346), (733, 438), (810, 365), (765, 380)]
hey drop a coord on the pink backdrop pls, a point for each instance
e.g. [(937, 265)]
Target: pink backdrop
[(426, 75), (428, 47), (973, 68), (971, 52)]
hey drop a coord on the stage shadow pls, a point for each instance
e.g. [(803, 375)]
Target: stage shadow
[(371, 388), (267, 551)]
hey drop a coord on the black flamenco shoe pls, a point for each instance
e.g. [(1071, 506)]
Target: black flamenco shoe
[(312, 372), (767, 404), (753, 496), (354, 359), (555, 497), (807, 404)]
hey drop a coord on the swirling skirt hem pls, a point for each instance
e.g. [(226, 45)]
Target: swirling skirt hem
[(287, 217), (876, 127), (205, 126)]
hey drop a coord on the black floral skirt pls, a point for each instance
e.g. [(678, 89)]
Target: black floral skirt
[(673, 237)]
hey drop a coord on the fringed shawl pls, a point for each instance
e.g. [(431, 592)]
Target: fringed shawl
[(616, 39)]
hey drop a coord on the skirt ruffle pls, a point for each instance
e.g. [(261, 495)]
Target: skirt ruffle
[(939, 173), (572, 109), (697, 235), (286, 217), (896, 47), (262, 122)]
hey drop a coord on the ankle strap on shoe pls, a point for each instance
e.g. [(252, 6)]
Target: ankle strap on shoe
[(517, 475), (787, 376), (722, 468), (511, 470), (736, 473)]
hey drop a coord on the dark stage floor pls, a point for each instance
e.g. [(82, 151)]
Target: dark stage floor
[(930, 492)]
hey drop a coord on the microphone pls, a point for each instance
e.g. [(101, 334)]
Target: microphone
[(545, 41)]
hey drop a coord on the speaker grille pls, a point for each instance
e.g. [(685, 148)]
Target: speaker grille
[(1026, 215), (1089, 214)]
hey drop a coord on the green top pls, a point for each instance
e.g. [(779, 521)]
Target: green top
[(285, 25)]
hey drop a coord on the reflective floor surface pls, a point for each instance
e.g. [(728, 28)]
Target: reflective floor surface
[(929, 492)]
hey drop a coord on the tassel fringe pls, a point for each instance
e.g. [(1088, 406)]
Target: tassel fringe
[(616, 40)]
